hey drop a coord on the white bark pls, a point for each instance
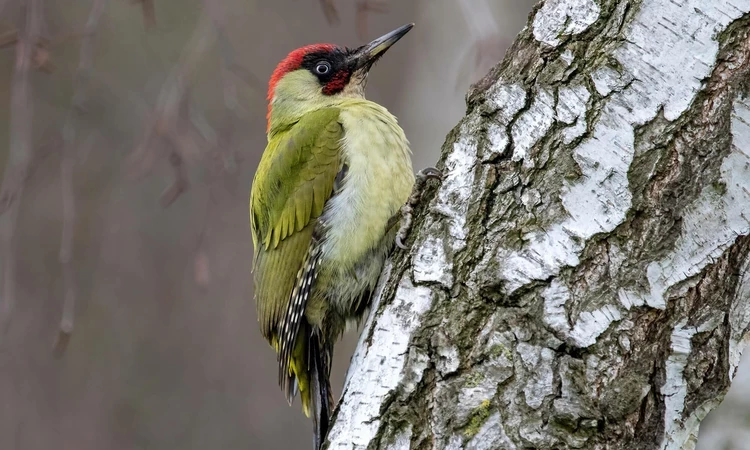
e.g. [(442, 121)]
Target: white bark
[(580, 278)]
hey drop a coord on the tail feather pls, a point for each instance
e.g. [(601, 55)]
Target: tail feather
[(309, 374), (322, 397), (298, 374)]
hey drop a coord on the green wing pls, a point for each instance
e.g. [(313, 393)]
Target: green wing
[(294, 180)]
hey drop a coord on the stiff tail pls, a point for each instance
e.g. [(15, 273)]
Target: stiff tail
[(322, 397), (309, 374)]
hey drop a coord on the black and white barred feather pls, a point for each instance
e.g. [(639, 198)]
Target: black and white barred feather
[(295, 315)]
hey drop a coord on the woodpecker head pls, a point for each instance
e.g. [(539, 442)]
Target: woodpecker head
[(316, 75)]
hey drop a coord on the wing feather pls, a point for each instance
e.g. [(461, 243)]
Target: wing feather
[(283, 214)]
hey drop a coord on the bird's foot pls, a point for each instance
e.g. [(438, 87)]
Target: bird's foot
[(406, 210)]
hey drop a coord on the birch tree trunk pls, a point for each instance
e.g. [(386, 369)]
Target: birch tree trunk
[(581, 276)]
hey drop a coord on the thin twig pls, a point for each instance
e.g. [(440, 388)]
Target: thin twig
[(77, 110), (20, 151)]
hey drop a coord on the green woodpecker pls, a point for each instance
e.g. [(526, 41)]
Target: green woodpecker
[(324, 207)]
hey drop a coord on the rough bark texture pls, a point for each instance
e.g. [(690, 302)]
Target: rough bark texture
[(580, 278)]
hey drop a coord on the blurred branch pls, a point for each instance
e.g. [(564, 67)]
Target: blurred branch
[(40, 50), (230, 69), (180, 123), (217, 12), (20, 151), (180, 183), (77, 110), (148, 11), (170, 120)]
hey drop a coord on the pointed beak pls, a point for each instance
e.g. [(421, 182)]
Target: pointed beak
[(365, 56)]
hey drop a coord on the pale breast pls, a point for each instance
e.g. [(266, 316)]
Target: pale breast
[(378, 182)]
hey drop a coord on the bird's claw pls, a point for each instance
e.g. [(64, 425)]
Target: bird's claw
[(430, 172), (399, 242), (403, 230)]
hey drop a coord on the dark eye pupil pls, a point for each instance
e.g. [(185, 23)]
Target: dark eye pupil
[(322, 68)]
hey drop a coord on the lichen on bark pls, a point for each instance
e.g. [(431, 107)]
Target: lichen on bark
[(579, 278)]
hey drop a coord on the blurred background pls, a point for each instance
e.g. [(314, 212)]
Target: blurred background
[(128, 146)]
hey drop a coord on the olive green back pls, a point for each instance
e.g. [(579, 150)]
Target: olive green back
[(294, 180)]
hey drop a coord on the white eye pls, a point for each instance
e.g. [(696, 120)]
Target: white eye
[(322, 68)]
